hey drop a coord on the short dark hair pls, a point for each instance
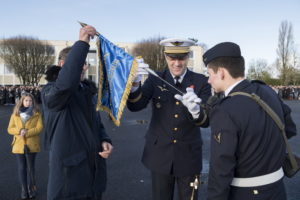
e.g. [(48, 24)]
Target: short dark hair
[(63, 53), (234, 65)]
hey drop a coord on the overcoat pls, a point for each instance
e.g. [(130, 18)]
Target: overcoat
[(34, 126), (73, 132)]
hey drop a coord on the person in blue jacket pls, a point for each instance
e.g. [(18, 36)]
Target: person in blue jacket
[(74, 134)]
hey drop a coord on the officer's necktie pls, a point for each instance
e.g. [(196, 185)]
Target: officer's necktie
[(177, 83)]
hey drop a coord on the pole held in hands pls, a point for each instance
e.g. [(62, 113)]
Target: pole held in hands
[(84, 24), (155, 74)]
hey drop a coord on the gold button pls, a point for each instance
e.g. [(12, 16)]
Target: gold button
[(177, 102), (176, 116), (174, 141), (255, 191), (175, 129)]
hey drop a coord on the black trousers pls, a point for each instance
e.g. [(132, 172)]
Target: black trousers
[(163, 187), (26, 169), (274, 191)]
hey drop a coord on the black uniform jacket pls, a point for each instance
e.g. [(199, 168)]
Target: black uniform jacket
[(173, 141), (75, 132), (245, 140)]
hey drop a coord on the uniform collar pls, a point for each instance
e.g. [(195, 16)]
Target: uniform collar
[(180, 78), (228, 90)]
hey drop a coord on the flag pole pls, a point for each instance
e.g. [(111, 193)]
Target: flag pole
[(100, 68), (84, 24)]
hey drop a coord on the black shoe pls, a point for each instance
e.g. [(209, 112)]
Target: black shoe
[(24, 193), (32, 192)]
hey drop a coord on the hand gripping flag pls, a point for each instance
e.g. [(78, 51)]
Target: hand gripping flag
[(116, 73)]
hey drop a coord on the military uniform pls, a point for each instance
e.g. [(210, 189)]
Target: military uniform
[(247, 143), (173, 141), (247, 146)]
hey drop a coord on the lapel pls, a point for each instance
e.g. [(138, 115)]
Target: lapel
[(187, 80), (18, 121), (166, 75)]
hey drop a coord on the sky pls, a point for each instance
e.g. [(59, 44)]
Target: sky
[(253, 24)]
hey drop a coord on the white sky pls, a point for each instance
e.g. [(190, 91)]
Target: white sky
[(253, 24)]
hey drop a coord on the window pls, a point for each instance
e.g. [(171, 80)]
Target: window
[(8, 70), (91, 58), (1, 69)]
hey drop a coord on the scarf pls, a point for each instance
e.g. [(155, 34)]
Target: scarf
[(25, 113)]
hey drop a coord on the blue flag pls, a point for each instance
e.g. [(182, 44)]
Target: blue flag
[(116, 72)]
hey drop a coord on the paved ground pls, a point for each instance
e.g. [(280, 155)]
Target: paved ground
[(127, 177)]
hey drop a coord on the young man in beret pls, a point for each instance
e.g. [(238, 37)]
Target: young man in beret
[(173, 147), (247, 147)]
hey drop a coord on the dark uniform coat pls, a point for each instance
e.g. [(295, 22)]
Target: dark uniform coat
[(173, 140), (246, 142), (75, 132), (2, 96)]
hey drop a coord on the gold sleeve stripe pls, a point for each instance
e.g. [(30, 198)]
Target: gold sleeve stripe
[(135, 99), (203, 120)]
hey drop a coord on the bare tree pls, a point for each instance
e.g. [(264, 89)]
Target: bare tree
[(259, 70), (27, 57), (295, 58), (203, 46), (152, 52), (285, 50)]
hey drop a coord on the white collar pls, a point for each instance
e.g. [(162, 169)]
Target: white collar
[(228, 90), (181, 77)]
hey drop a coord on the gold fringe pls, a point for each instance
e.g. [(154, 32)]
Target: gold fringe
[(100, 75), (126, 93)]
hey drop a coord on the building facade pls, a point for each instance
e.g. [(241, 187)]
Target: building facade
[(7, 76)]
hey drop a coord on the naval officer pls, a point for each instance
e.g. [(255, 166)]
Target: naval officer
[(173, 146), (247, 147)]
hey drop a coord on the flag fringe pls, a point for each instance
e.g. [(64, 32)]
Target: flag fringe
[(126, 92)]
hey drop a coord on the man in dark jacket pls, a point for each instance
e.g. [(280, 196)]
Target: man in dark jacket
[(173, 148), (2, 95), (73, 129), (247, 147)]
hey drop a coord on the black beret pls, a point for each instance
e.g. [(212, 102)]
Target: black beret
[(225, 49)]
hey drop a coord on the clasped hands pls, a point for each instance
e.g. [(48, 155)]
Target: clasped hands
[(191, 101), (23, 132)]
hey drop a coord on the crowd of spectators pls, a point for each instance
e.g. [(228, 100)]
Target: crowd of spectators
[(9, 95), (288, 92)]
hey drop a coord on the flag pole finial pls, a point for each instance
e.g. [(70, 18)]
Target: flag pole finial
[(84, 24)]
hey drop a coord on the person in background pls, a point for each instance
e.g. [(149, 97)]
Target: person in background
[(26, 125)]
